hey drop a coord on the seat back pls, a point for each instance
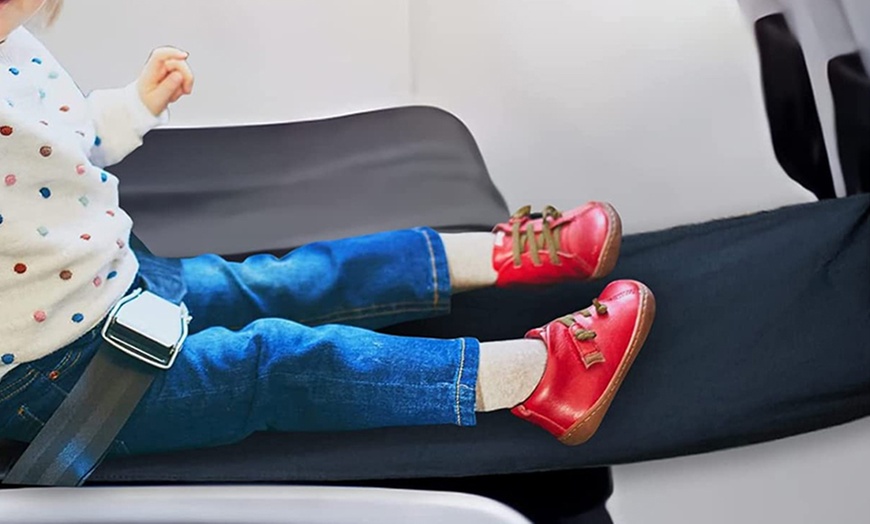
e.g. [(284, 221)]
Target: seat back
[(273, 187), (817, 92)]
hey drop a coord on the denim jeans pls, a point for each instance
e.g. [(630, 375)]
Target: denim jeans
[(285, 345)]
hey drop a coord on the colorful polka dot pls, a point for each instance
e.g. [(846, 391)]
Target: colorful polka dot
[(10, 103), (8, 358), (40, 316), (98, 141), (98, 282), (14, 71), (36, 60), (1, 220), (81, 169), (45, 192), (85, 201), (45, 150), (20, 268), (64, 109), (104, 177), (42, 93), (110, 213), (42, 230), (81, 133), (121, 244), (85, 237), (111, 275), (54, 75), (10, 180), (66, 274), (43, 122), (6, 130), (78, 318)]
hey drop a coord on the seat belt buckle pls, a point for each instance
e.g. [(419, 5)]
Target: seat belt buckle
[(148, 328)]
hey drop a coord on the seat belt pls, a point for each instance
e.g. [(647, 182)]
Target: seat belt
[(141, 337), (74, 440)]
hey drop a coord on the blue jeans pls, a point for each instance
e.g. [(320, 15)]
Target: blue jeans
[(284, 345)]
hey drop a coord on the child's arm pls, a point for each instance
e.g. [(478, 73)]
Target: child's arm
[(121, 120), (123, 116)]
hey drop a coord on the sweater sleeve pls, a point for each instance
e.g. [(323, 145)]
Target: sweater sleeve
[(121, 121)]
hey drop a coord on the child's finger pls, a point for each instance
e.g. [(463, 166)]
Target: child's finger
[(155, 67), (165, 91), (177, 95), (163, 54), (182, 67)]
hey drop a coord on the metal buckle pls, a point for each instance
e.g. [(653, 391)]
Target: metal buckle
[(147, 328)]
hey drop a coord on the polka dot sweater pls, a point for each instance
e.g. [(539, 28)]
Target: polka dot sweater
[(64, 260)]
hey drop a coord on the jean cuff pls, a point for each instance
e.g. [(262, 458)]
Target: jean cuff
[(440, 286), (466, 382)]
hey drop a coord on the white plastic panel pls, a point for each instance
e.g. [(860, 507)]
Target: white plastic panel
[(248, 505)]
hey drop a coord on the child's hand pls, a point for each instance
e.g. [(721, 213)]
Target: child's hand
[(165, 79)]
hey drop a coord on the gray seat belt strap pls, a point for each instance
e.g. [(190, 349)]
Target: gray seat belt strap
[(75, 439)]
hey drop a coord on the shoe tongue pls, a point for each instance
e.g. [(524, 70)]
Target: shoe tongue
[(583, 321)]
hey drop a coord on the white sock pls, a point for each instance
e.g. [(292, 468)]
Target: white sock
[(469, 259), (509, 372)]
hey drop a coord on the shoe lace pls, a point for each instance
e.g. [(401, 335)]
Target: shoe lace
[(589, 355), (527, 238), (581, 333)]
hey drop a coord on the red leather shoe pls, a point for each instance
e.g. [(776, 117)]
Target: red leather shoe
[(553, 247), (589, 353)]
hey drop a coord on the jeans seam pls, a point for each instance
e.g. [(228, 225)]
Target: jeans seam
[(261, 378), (459, 382), (432, 262), (372, 311), (68, 362), (24, 413), (379, 313), (64, 366), (19, 385), (64, 360)]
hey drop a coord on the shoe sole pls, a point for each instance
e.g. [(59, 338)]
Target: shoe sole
[(582, 430), (612, 245)]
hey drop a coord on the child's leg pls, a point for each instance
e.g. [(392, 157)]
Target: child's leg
[(469, 260), (378, 280), (369, 281), (281, 376)]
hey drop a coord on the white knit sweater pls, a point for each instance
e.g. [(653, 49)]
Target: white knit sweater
[(64, 260)]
